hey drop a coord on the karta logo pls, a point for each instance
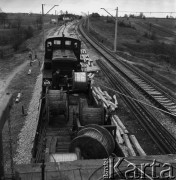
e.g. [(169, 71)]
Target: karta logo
[(115, 167)]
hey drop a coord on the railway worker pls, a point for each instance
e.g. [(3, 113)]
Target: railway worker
[(30, 57), (36, 58), (56, 79), (108, 115)]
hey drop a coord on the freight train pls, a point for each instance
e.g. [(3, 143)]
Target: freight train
[(74, 139), (71, 126)]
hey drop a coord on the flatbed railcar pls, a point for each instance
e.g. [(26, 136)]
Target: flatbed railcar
[(71, 126)]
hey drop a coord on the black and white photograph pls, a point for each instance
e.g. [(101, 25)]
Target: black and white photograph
[(87, 89)]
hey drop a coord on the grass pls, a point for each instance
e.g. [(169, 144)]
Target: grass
[(132, 38), (23, 83), (143, 51)]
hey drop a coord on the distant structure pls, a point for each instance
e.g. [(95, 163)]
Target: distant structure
[(1, 10), (53, 21)]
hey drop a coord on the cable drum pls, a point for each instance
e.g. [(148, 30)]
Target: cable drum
[(106, 134), (94, 141), (63, 157), (57, 102), (91, 116), (80, 81)]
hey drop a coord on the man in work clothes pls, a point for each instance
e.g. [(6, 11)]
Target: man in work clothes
[(30, 57), (36, 58)]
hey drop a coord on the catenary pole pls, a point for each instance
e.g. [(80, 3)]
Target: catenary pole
[(116, 25)]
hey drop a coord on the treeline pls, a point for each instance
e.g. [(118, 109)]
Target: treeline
[(16, 28), (68, 15), (10, 21)]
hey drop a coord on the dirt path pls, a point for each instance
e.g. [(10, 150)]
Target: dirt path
[(4, 83), (14, 78)]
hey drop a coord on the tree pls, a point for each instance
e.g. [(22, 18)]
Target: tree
[(131, 16), (18, 22), (61, 12), (95, 15), (141, 15), (39, 22), (3, 18), (29, 32)]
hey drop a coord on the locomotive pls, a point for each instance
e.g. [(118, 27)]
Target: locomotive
[(62, 57)]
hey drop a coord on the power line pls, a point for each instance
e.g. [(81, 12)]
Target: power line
[(139, 101), (150, 12)]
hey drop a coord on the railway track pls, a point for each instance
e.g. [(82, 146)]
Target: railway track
[(164, 140), (152, 90), (159, 28)]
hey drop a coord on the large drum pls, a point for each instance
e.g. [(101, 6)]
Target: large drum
[(94, 141)]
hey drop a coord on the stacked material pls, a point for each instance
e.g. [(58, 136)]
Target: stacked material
[(128, 143), (103, 98), (86, 62)]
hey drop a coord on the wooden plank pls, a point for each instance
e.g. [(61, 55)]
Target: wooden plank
[(118, 134), (137, 145), (113, 106), (120, 139), (118, 127), (124, 150), (107, 95), (104, 100), (120, 123), (101, 92), (128, 144), (115, 99)]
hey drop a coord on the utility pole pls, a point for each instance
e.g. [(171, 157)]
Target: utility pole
[(116, 25), (43, 22), (43, 26), (88, 22)]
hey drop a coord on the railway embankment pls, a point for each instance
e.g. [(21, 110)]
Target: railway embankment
[(15, 79)]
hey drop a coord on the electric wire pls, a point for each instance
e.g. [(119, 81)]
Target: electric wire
[(142, 102), (149, 12)]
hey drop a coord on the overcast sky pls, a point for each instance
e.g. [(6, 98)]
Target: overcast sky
[(78, 6)]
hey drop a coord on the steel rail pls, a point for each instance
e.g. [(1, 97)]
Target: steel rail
[(123, 68), (164, 140)]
